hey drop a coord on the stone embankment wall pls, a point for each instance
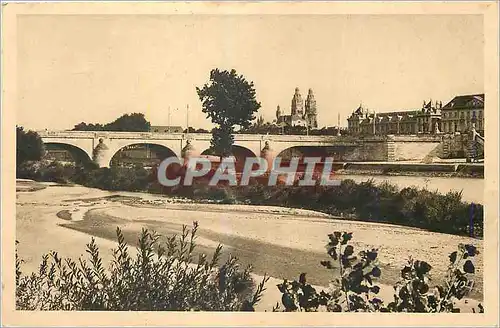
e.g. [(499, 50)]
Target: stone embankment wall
[(454, 146), (459, 146), (367, 151), (393, 148)]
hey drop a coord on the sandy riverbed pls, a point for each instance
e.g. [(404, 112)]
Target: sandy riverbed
[(279, 241)]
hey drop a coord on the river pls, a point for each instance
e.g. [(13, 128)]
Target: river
[(281, 242)]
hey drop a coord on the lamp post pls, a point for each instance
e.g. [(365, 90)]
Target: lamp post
[(168, 119), (187, 118)]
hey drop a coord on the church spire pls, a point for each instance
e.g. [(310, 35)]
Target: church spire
[(310, 106), (297, 104)]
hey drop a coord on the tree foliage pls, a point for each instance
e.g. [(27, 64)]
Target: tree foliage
[(135, 122), (355, 289), (29, 146), (228, 99)]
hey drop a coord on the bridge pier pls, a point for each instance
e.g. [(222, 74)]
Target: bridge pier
[(101, 154)]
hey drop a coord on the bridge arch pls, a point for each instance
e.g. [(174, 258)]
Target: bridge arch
[(144, 153), (240, 153), (58, 151)]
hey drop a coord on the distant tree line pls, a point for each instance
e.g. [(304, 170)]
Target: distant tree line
[(193, 130), (135, 122)]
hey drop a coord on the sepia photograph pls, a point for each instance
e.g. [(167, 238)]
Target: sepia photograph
[(265, 157)]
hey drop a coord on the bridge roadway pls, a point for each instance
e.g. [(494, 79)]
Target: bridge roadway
[(101, 146)]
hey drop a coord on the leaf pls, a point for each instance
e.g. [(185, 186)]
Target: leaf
[(453, 257), (422, 267), (349, 250), (406, 272), (469, 267), (471, 250), (375, 289), (332, 251), (346, 237), (295, 286), (371, 255), (376, 272), (334, 240), (288, 302), (302, 278)]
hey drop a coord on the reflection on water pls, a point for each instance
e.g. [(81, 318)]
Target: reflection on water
[(472, 189)]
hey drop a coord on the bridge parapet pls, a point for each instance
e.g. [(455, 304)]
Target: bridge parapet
[(157, 135)]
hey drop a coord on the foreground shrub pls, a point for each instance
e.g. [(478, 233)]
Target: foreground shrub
[(158, 278), (355, 290)]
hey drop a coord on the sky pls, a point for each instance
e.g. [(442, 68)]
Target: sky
[(93, 69)]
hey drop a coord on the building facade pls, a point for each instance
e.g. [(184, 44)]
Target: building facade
[(462, 112), (301, 113), (458, 115)]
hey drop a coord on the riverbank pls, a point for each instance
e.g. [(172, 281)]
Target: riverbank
[(448, 170), (282, 242)]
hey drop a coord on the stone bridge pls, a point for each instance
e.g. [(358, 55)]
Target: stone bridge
[(101, 146)]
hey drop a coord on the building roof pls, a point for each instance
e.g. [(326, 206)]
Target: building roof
[(466, 101)]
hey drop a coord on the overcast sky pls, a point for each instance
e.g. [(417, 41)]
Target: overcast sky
[(96, 68)]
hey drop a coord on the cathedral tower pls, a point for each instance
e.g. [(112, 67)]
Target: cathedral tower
[(310, 110), (297, 104)]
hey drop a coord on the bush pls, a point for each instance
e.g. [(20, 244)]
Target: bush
[(46, 171), (355, 290), (157, 279), (118, 178), (366, 201)]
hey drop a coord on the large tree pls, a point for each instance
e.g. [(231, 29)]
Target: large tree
[(29, 146), (135, 122), (228, 99)]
